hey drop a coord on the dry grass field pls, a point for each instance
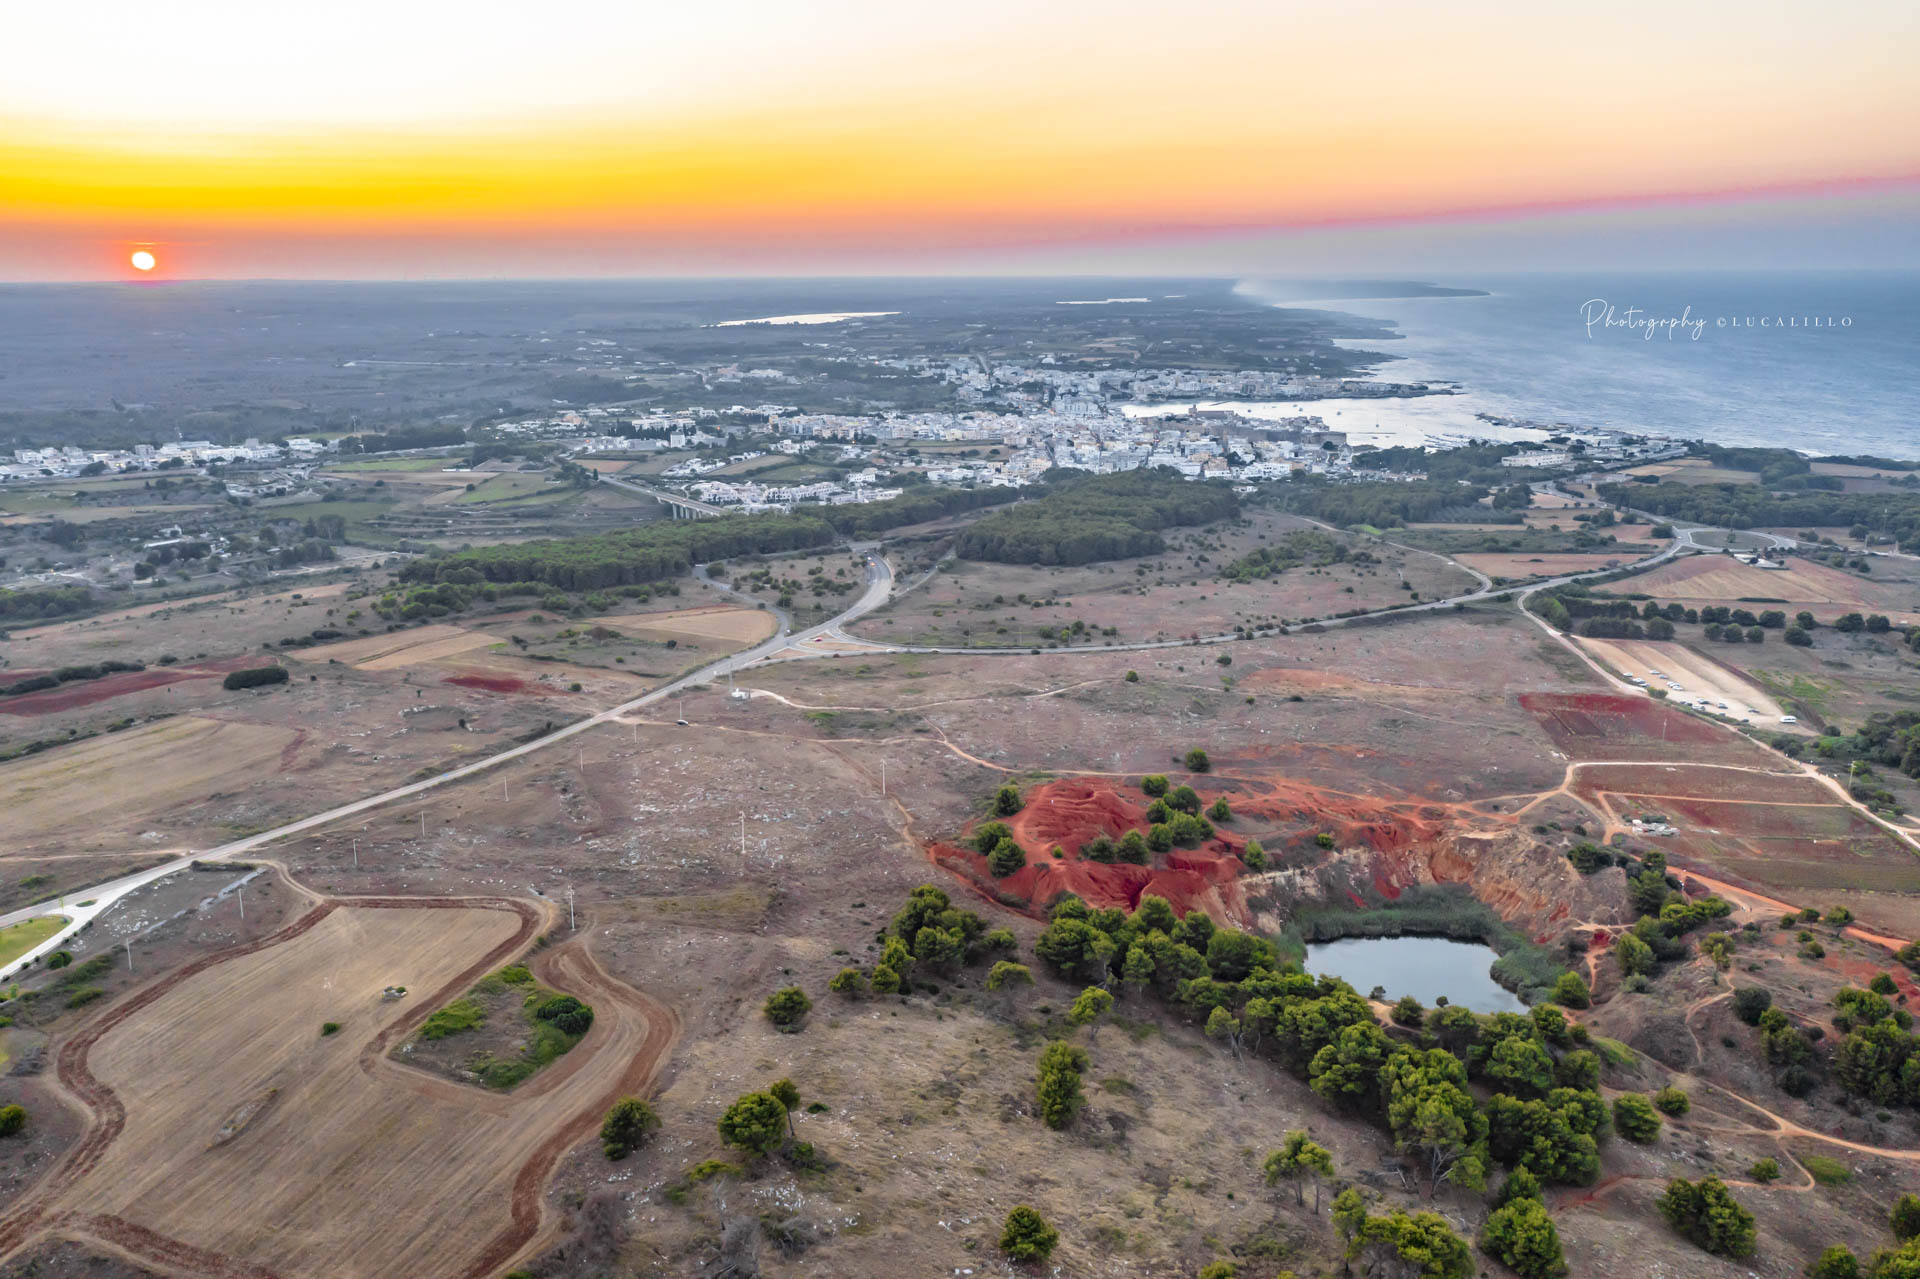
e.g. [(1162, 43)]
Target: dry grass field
[(229, 1136), (1168, 596), (134, 776), (399, 649), (1694, 470), (1827, 592), (729, 627)]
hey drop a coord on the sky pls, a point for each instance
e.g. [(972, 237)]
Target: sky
[(415, 138)]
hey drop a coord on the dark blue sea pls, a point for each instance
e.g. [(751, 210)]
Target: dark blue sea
[(1821, 362)]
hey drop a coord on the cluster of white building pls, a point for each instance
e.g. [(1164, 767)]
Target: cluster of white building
[(68, 461)]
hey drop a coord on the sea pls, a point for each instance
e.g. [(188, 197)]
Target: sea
[(1822, 362)]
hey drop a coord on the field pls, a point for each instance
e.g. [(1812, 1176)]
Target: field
[(1703, 680), (1547, 565), (1609, 726), (1827, 592), (1176, 594), (738, 627), (398, 649), (1694, 470), (137, 774), (228, 1134), (17, 939)]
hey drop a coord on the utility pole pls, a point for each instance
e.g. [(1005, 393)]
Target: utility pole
[(356, 854), (241, 893), (423, 825), (569, 907), (743, 842), (129, 945), (883, 777)]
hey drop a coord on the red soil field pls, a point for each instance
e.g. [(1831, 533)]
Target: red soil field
[(86, 692), (1724, 784), (1584, 724)]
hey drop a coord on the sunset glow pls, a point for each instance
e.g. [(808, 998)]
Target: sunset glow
[(861, 136), (142, 260)]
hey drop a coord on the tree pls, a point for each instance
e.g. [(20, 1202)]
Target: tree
[(1634, 956), (1057, 1084), (1299, 1160), (1347, 1070), (1522, 1237), (1220, 811), (1407, 1011), (756, 1123), (1837, 1262), (1750, 1001), (1423, 1244), (1027, 1237), (1905, 1218), (1708, 1216), (1009, 977), (1519, 1064), (1571, 991), (1672, 1101), (886, 981), (938, 948), (1075, 949), (850, 982), (1254, 857), (1006, 858), (787, 1094), (566, 1013), (1635, 1118), (626, 1127), (985, 840), (1430, 1112), (1154, 785), (1089, 1006), (1797, 636), (12, 1120), (1006, 801), (1765, 1171), (1197, 761), (254, 677), (1222, 1024), (786, 1007)]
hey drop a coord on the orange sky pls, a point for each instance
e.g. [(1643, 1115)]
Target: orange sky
[(848, 135)]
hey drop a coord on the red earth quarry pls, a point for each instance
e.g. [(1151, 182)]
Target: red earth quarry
[(1069, 813)]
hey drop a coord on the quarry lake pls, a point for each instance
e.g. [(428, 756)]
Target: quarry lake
[(1424, 967)]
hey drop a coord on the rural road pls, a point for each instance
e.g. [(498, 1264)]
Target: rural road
[(102, 897)]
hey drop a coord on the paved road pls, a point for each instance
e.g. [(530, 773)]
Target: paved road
[(103, 896)]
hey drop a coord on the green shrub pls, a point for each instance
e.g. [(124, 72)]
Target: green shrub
[(566, 1014), (254, 677), (1826, 1171), (329, 1028), (1026, 1236), (1672, 1101), (459, 1016), (84, 996), (1635, 1118), (786, 1007), (1709, 1217), (12, 1120), (627, 1127)]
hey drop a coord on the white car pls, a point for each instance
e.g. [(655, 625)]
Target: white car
[(1676, 688), (1789, 719)]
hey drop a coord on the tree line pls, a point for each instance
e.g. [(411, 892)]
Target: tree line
[(650, 553), (1756, 506), (1083, 520)]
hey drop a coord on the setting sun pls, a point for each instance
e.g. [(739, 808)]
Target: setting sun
[(142, 260)]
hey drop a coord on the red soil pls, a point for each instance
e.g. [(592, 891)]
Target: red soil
[(495, 684), (67, 697), (1071, 812), (1580, 722)]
